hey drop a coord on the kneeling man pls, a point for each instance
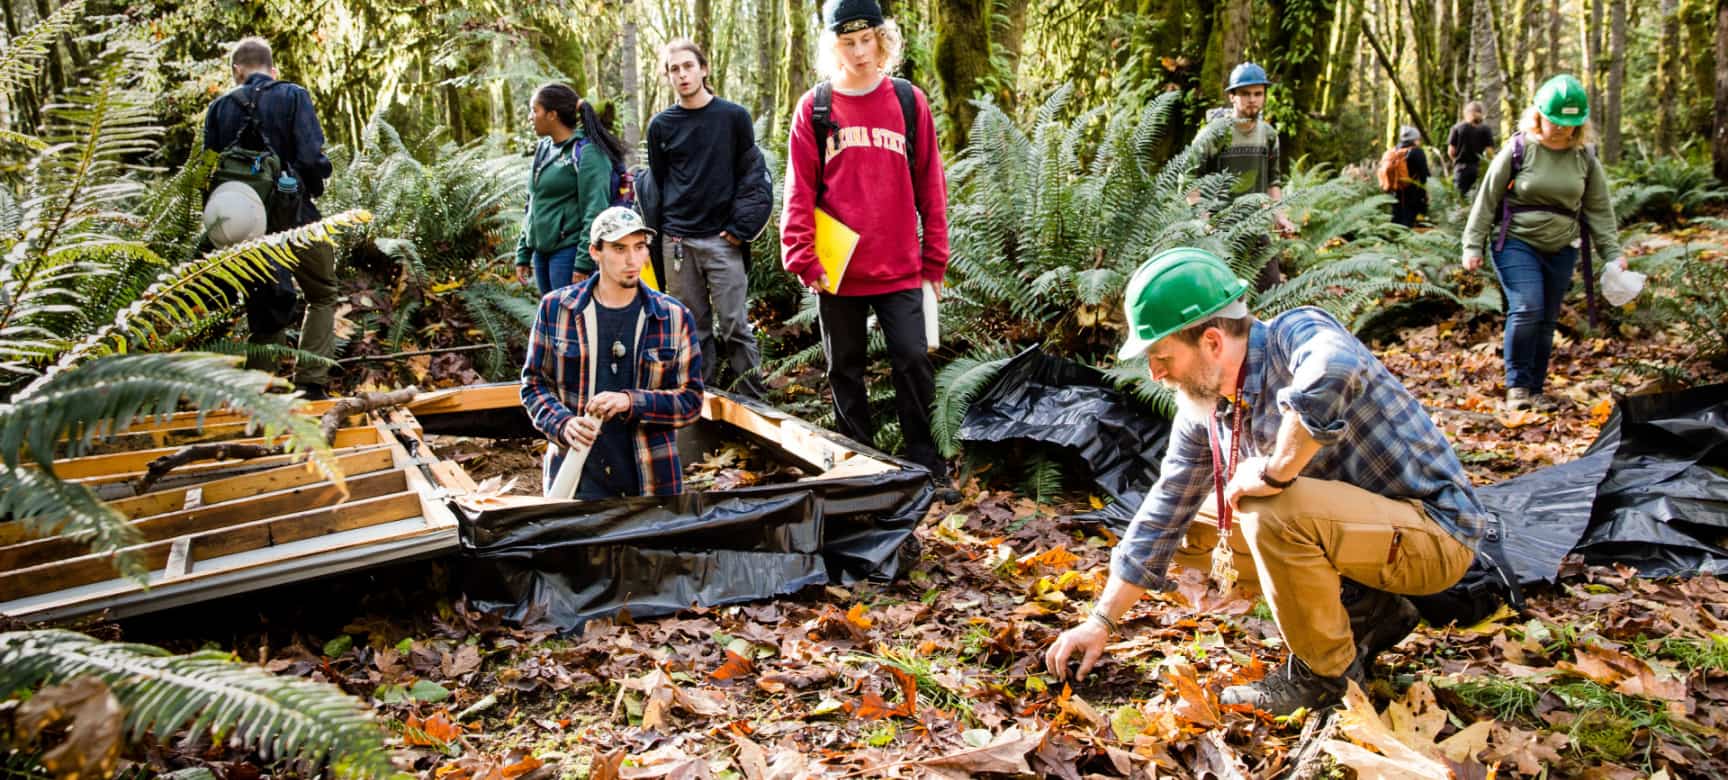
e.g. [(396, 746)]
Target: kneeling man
[(1312, 469), (611, 364)]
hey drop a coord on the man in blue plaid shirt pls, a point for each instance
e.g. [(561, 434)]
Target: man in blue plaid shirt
[(620, 353), (1343, 491)]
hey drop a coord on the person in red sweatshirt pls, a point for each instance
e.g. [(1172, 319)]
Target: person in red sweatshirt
[(874, 166)]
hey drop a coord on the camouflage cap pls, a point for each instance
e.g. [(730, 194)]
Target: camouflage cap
[(615, 223)]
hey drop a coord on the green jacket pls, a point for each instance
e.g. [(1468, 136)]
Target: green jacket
[(564, 200), (1566, 179)]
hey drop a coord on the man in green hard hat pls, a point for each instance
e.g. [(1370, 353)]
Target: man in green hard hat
[(1306, 464)]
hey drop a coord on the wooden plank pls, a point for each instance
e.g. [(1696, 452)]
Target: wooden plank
[(217, 491), (125, 462), (467, 399), (209, 517), (259, 534), (795, 438), (183, 420)]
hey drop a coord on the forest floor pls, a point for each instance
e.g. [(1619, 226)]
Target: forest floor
[(938, 674)]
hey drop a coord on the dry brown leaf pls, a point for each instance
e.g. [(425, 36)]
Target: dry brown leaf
[(1468, 744), (752, 759), (92, 746), (1393, 760), (1006, 754), (735, 666)]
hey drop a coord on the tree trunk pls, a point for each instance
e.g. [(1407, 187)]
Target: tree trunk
[(1616, 80), (1397, 87), (1719, 134), (1591, 13), (767, 85), (1338, 66), (795, 72), (632, 92), (1555, 19), (1485, 66), (1299, 30), (1520, 51), (962, 59), (1667, 70), (702, 21), (1009, 37)]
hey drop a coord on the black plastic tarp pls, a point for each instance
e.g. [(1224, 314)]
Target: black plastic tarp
[(1044, 400), (1650, 492), (570, 562)]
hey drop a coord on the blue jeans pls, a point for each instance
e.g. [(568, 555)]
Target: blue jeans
[(552, 270), (1535, 284)]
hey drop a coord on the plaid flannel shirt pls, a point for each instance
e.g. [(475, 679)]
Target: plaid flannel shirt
[(1374, 435), (668, 376)]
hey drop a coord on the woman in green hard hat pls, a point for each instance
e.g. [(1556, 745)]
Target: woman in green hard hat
[(1544, 196)]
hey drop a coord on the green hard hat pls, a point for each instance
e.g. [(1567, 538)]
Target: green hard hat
[(1563, 101), (1176, 288)]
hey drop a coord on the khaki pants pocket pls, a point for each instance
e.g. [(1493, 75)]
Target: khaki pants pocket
[(1361, 551)]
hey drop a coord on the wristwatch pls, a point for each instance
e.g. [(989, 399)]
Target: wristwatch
[(1274, 482)]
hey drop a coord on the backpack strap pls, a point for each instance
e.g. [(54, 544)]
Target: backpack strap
[(909, 113), (821, 120), (247, 98)]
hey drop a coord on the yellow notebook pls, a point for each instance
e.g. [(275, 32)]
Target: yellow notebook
[(648, 277), (835, 244)]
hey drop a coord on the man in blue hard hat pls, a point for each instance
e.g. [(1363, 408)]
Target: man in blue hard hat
[(1343, 495), (1248, 148)]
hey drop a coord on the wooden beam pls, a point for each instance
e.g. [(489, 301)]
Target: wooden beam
[(352, 463), (467, 399), (180, 420), (127, 462), (259, 534), (210, 517)]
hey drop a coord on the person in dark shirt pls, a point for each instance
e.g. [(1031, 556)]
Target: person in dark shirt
[(290, 129), (1469, 141), (701, 159), (1413, 193)]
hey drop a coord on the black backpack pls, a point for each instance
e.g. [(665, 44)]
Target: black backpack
[(253, 160), (822, 119)]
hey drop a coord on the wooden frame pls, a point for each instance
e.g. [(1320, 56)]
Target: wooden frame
[(216, 529)]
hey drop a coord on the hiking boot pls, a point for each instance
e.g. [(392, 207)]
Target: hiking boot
[(1544, 402), (1379, 620), (312, 392), (1292, 687), (1517, 399)]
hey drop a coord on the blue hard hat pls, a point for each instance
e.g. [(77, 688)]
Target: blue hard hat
[(1247, 75)]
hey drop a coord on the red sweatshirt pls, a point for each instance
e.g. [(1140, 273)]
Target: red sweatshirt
[(870, 191)]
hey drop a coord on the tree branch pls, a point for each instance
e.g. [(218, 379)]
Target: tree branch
[(327, 426)]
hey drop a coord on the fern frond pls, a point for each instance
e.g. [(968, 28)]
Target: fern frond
[(44, 506), (957, 386), (281, 717), (185, 293), (24, 55)]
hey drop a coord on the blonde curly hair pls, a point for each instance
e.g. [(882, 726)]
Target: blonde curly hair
[(890, 46)]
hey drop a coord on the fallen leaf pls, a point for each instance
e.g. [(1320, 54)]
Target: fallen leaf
[(92, 746), (735, 666), (1006, 754)]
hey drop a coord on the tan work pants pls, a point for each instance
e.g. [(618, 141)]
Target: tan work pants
[(1298, 544)]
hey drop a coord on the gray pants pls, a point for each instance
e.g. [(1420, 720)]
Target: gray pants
[(707, 275)]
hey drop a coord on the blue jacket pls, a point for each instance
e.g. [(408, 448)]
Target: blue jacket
[(290, 127)]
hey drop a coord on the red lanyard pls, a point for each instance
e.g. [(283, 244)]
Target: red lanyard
[(1221, 470)]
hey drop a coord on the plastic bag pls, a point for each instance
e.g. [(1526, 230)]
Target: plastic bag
[(1620, 287)]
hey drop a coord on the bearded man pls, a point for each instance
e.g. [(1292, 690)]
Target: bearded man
[(1304, 462)]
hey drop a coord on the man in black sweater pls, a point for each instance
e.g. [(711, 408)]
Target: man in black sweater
[(289, 128), (709, 196)]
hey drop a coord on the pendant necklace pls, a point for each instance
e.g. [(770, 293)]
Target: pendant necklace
[(618, 353)]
